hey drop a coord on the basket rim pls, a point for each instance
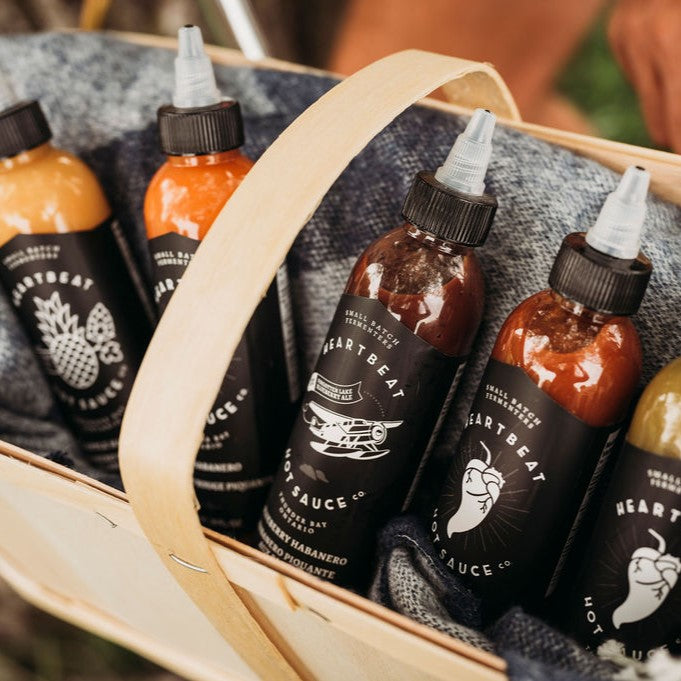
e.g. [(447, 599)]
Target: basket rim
[(290, 579), (665, 165)]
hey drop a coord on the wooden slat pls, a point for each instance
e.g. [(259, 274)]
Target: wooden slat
[(191, 349), (75, 546)]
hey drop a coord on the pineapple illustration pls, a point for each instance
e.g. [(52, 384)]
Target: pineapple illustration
[(74, 352), (101, 331), (99, 327)]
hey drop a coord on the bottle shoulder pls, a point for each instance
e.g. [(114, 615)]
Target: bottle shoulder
[(416, 265), (589, 364), (656, 425), (187, 198), (55, 192), (438, 295)]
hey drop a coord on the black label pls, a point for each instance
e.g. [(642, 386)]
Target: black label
[(76, 298), (367, 417), (246, 429), (517, 484), (170, 256), (628, 586)]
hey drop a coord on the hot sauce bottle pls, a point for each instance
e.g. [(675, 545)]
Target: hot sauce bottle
[(247, 427), (548, 410), (628, 587), (394, 351), (64, 266)]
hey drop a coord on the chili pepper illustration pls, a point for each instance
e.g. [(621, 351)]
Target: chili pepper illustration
[(480, 489), (652, 574)]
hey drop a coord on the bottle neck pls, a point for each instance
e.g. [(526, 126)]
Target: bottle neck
[(580, 310), (430, 241), (23, 158), (204, 159)]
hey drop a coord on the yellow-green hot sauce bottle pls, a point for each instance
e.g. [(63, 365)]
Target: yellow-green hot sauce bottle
[(628, 588)]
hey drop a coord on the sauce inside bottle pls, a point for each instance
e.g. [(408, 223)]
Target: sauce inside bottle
[(63, 264), (628, 588), (588, 362), (247, 427), (187, 193), (547, 413), (656, 426), (434, 287), (393, 354)]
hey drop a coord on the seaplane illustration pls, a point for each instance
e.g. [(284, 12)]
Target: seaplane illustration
[(343, 436)]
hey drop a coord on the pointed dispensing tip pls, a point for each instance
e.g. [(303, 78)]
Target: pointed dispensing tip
[(190, 41), (194, 78), (633, 187), (481, 126), (617, 231), (465, 168)]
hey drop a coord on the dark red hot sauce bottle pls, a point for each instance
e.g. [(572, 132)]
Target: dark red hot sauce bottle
[(400, 334), (547, 412)]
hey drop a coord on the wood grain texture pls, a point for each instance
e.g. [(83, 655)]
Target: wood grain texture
[(191, 349), (82, 555)]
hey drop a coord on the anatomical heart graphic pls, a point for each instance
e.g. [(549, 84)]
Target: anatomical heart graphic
[(652, 574), (71, 351), (480, 488)]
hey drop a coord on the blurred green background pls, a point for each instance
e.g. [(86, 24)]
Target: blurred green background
[(594, 82)]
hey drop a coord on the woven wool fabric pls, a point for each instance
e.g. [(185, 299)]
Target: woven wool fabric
[(411, 579), (100, 96)]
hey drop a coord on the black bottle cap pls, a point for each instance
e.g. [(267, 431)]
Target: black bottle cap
[(203, 130), (447, 213), (23, 127), (598, 281)]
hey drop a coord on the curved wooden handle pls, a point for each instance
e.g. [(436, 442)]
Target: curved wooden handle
[(191, 349)]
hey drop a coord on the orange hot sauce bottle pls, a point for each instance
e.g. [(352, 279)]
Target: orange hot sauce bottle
[(69, 281), (246, 429), (550, 405)]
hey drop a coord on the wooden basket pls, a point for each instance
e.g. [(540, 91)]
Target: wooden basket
[(212, 608)]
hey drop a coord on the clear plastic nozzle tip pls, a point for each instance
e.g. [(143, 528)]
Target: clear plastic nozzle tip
[(466, 164), (617, 231), (194, 78)]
